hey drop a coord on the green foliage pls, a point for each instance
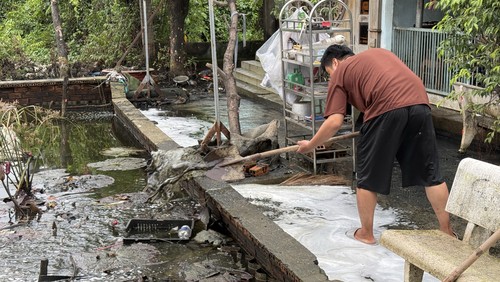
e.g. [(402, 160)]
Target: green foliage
[(96, 30), (253, 19), (473, 47), (198, 22), (101, 30), (25, 32)]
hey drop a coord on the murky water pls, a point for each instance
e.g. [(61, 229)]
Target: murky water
[(85, 212)]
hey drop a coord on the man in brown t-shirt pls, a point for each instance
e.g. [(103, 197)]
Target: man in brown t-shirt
[(397, 123)]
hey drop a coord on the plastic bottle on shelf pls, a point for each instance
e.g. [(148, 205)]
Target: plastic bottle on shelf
[(296, 77)]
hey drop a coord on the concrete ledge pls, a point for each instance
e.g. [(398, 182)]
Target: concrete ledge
[(147, 134), (439, 254), (447, 120), (276, 251)]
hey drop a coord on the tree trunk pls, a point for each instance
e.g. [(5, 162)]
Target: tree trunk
[(270, 22), (62, 53), (233, 99), (178, 12)]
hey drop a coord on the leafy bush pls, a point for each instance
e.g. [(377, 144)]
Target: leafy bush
[(197, 22), (473, 47), (99, 31)]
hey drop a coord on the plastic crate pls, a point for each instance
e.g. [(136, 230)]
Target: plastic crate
[(152, 230)]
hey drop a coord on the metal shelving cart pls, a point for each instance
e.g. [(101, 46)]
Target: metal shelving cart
[(306, 30)]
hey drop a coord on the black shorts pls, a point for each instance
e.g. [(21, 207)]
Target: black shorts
[(406, 134)]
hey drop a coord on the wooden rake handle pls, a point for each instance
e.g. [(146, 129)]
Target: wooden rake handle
[(287, 149), (473, 257)]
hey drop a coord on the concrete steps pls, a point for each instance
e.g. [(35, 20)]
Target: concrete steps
[(248, 79), (248, 76), (253, 66)]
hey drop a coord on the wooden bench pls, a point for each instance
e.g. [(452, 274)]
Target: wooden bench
[(475, 197)]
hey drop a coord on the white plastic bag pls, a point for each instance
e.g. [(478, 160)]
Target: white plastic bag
[(270, 57)]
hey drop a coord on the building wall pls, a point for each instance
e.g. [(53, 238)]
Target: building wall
[(405, 13), (48, 92), (402, 13)]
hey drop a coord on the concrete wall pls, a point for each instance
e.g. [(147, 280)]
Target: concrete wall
[(201, 51), (402, 13), (405, 13), (48, 92)]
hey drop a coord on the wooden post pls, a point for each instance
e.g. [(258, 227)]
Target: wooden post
[(374, 24), (270, 22), (44, 264)]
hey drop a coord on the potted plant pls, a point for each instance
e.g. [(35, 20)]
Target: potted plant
[(472, 49)]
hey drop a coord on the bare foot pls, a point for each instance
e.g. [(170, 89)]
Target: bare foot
[(359, 235)]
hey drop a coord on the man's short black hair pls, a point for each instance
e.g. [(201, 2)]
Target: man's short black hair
[(335, 51)]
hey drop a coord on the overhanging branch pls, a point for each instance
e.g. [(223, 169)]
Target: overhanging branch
[(221, 3), (219, 71)]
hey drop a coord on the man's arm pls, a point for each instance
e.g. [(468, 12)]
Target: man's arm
[(329, 128)]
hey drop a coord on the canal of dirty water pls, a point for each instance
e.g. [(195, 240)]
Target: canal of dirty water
[(319, 216), (87, 194)]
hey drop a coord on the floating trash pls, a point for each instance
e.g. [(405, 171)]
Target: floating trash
[(151, 230), (119, 164), (122, 152)]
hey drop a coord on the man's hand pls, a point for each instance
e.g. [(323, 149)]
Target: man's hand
[(304, 147), (329, 127)]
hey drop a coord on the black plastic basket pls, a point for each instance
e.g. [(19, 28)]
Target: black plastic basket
[(152, 230)]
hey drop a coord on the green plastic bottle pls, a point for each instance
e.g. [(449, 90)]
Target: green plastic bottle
[(295, 77)]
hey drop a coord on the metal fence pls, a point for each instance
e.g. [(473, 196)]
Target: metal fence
[(417, 48)]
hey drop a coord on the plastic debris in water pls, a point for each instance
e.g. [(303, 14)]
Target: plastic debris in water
[(184, 232)]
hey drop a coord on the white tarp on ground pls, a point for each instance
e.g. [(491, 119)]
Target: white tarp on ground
[(318, 217)]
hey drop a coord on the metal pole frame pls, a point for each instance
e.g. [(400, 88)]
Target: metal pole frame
[(214, 65)]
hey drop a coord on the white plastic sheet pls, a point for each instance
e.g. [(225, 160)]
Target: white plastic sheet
[(270, 56)]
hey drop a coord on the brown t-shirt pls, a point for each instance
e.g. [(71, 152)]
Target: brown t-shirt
[(374, 81)]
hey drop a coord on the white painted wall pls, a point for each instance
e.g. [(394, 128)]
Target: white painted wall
[(387, 24)]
